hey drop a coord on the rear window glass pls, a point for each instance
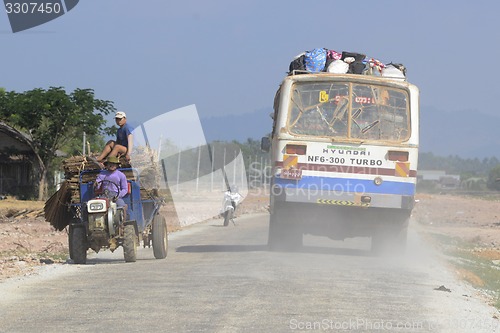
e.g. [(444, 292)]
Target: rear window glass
[(349, 110)]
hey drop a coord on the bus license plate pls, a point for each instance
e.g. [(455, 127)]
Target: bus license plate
[(291, 174)]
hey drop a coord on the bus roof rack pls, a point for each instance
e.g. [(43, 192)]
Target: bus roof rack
[(392, 76)]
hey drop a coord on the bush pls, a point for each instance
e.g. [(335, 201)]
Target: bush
[(494, 179)]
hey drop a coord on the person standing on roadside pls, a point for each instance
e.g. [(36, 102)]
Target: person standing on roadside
[(123, 144)]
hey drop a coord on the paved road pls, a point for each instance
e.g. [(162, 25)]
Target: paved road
[(223, 279)]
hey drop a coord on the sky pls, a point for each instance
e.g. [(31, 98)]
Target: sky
[(228, 57)]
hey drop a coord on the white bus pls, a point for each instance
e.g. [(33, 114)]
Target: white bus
[(344, 152)]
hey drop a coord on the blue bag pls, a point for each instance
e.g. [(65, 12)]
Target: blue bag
[(315, 60)]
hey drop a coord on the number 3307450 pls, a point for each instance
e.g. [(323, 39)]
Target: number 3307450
[(33, 8)]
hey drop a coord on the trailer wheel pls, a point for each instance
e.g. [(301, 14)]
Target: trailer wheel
[(129, 243), (77, 240), (160, 237), (70, 241)]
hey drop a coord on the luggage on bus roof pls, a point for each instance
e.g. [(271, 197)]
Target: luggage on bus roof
[(331, 61)]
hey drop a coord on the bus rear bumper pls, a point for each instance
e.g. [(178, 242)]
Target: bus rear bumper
[(378, 200)]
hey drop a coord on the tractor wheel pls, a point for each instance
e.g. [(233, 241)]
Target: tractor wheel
[(77, 240), (129, 243)]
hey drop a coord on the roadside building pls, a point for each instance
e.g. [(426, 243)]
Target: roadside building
[(18, 164)]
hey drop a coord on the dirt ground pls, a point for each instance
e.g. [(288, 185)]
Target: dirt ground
[(27, 241), (471, 219)]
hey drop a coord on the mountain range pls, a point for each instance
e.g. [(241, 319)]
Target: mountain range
[(467, 134)]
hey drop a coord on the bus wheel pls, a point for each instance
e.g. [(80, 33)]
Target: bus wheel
[(284, 232), (391, 239)]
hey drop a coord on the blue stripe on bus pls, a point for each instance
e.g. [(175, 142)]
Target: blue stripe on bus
[(347, 185)]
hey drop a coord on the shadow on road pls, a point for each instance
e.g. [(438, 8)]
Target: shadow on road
[(221, 248), (97, 261), (112, 261), (265, 248)]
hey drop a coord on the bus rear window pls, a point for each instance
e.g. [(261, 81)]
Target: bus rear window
[(349, 110)]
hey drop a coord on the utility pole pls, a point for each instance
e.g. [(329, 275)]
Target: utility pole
[(84, 140)]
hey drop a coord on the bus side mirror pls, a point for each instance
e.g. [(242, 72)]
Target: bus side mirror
[(265, 144)]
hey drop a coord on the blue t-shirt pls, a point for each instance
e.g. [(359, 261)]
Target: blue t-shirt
[(122, 135)]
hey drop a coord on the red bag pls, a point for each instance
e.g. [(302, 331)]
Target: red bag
[(333, 55)]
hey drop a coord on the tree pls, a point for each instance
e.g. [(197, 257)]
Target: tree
[(251, 150), (53, 119), (493, 179)]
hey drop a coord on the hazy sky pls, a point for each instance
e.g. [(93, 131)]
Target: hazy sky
[(152, 56)]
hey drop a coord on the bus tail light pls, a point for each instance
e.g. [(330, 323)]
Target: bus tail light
[(395, 155), (295, 149)]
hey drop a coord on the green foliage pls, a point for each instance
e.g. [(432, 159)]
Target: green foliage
[(465, 167), (427, 186), (185, 163), (54, 119), (493, 182), (252, 152), (474, 184), (461, 255), (75, 147)]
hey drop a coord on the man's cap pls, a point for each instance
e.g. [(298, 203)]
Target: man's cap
[(112, 159), (120, 114)]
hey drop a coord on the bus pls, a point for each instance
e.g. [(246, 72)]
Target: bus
[(344, 154)]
